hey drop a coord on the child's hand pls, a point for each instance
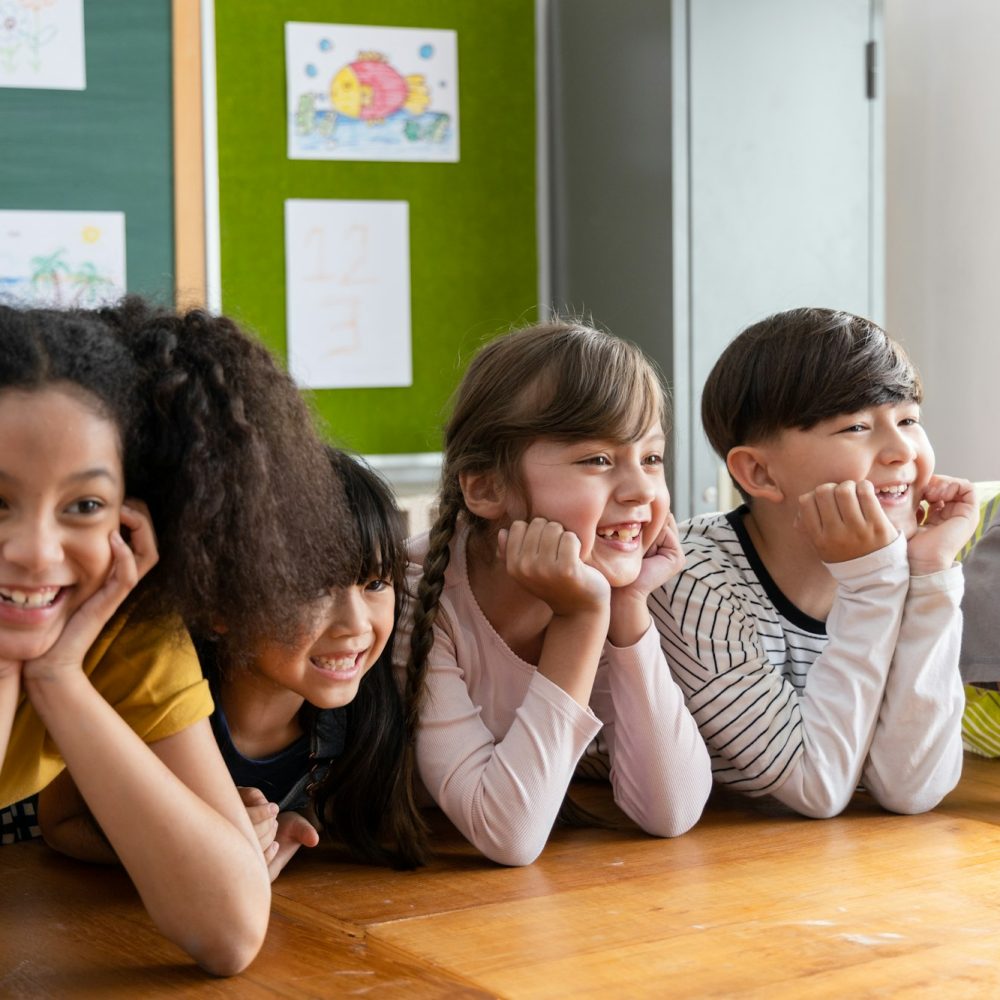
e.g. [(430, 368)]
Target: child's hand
[(294, 831), (263, 817), (844, 520), (280, 834), (544, 558), (128, 566), (663, 560), (951, 518)]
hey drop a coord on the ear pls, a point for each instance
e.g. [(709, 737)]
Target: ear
[(750, 467), (484, 496)]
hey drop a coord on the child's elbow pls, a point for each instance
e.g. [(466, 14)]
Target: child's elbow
[(826, 810), (514, 846), (672, 821), (514, 854), (674, 825), (229, 953), (225, 939), (670, 815), (824, 803), (909, 804)]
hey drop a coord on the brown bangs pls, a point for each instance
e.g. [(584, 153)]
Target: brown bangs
[(602, 388)]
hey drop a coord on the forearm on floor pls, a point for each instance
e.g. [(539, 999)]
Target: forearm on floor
[(195, 869)]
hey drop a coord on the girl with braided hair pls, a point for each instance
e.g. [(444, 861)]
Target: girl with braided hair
[(529, 633), (144, 460)]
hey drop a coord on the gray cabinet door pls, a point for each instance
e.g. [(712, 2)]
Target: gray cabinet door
[(783, 186)]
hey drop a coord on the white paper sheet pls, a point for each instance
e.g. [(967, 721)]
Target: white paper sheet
[(358, 92), (62, 258), (41, 44), (347, 266)]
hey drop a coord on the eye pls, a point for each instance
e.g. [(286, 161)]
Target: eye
[(601, 461), (378, 585), (910, 422), (86, 506), (853, 429), (654, 460)]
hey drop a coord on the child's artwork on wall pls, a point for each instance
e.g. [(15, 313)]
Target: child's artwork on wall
[(358, 92), (62, 258), (347, 266), (41, 44)]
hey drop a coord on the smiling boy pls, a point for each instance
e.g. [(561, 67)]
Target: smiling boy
[(815, 630)]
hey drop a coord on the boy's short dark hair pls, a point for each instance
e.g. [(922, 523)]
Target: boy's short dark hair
[(796, 368)]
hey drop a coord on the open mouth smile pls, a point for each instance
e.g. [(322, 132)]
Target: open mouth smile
[(39, 597), (346, 663), (893, 493), (623, 533)]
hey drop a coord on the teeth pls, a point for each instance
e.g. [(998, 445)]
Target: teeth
[(622, 534), (894, 490), (39, 599), (335, 662)]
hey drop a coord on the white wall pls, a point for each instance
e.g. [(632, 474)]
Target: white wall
[(943, 218)]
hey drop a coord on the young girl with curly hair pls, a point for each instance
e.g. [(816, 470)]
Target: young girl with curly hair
[(530, 632), (312, 729), (123, 433)]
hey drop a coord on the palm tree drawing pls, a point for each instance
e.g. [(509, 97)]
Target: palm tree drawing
[(46, 270), (89, 283)]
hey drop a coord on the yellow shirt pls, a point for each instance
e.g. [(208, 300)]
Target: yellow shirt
[(148, 672)]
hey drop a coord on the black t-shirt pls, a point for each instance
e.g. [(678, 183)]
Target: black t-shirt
[(284, 776)]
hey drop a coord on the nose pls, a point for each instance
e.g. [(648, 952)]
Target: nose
[(897, 448), (638, 484), (34, 545), (349, 615)]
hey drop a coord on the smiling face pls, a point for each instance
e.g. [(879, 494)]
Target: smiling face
[(611, 495), (61, 492), (884, 444), (345, 635)]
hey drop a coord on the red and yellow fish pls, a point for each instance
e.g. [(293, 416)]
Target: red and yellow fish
[(370, 89)]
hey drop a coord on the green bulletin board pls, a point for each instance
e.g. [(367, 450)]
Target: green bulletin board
[(106, 148), (473, 258)]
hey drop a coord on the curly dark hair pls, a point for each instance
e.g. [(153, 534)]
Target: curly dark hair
[(44, 347), (250, 520)]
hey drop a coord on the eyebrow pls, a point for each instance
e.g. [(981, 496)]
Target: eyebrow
[(84, 475)]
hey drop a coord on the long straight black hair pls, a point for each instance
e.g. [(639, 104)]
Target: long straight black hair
[(366, 798)]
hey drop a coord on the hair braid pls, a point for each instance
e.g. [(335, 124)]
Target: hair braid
[(425, 614)]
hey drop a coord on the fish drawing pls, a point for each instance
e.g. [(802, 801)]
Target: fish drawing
[(370, 90)]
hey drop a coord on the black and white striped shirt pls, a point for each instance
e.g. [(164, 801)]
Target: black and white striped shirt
[(742, 652)]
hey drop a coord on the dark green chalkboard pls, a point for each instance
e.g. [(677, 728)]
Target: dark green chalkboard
[(472, 223), (106, 148)]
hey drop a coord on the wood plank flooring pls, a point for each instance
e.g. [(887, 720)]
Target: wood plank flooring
[(754, 902)]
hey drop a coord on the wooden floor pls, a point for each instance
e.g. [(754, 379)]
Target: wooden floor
[(754, 902)]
